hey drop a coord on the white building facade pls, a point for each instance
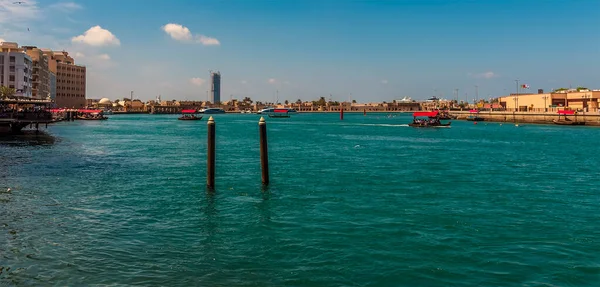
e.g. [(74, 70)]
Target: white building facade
[(16, 69)]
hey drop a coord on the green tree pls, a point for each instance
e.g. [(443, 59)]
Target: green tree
[(286, 102), (354, 101), (6, 91), (298, 101), (321, 102)]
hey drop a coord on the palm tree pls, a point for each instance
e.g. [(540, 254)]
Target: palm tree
[(6, 92)]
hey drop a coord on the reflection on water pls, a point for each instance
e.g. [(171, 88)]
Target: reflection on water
[(28, 138)]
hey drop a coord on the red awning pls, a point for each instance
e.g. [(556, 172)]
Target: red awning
[(188, 111), (57, 110), (425, 114), (280, 110), (474, 111), (89, 111), (566, 112)]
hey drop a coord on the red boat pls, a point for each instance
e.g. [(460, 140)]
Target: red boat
[(189, 115), (433, 120), (566, 121), (90, 115)]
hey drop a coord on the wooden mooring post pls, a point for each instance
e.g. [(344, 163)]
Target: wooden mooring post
[(264, 154), (210, 154)]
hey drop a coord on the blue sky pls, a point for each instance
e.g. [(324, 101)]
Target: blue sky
[(364, 50)]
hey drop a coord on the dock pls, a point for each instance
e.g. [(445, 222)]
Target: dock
[(590, 118)]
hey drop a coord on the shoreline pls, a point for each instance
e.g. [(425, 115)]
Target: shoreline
[(528, 117)]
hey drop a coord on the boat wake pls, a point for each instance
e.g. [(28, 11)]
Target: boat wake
[(385, 125)]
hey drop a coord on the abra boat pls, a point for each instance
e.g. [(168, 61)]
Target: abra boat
[(189, 115), (433, 120), (269, 110), (474, 117), (278, 113), (566, 121), (445, 115), (91, 115)]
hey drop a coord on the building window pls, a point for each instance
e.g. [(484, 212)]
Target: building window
[(11, 59), (11, 78)]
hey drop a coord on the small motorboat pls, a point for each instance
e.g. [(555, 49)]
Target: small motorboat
[(433, 120), (474, 117), (91, 115), (189, 115), (566, 121)]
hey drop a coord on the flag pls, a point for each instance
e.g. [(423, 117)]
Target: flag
[(525, 86)]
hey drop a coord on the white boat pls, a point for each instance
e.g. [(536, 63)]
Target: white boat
[(270, 110), (212, 111), (107, 112), (277, 112)]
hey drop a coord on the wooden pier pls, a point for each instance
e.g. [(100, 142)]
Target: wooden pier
[(19, 113)]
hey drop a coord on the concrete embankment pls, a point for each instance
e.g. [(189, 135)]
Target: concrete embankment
[(529, 117)]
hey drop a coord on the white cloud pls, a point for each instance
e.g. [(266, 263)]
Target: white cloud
[(11, 12), (484, 75), (197, 81), (177, 32), (182, 33), (286, 82), (104, 57), (97, 36), (244, 82), (66, 6), (79, 55), (384, 81), (271, 81), (208, 41), (2, 40)]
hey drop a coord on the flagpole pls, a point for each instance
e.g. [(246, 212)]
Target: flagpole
[(517, 97)]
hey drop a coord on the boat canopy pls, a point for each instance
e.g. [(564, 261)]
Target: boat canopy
[(188, 111), (566, 112), (425, 114), (280, 110), (474, 111), (85, 111), (57, 110)]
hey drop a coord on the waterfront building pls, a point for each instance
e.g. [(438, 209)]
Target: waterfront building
[(41, 73), (215, 90), (15, 69), (583, 100), (70, 79)]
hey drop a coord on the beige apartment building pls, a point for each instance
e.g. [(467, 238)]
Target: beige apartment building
[(41, 73), (70, 79), (583, 100)]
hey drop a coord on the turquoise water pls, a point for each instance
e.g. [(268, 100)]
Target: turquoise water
[(367, 201)]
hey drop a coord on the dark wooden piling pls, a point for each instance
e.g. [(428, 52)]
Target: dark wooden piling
[(264, 154), (364, 112), (210, 155), (341, 113)]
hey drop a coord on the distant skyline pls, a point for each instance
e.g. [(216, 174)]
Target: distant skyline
[(361, 50)]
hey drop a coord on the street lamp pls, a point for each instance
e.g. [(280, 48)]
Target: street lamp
[(584, 102), (515, 99), (545, 106)]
